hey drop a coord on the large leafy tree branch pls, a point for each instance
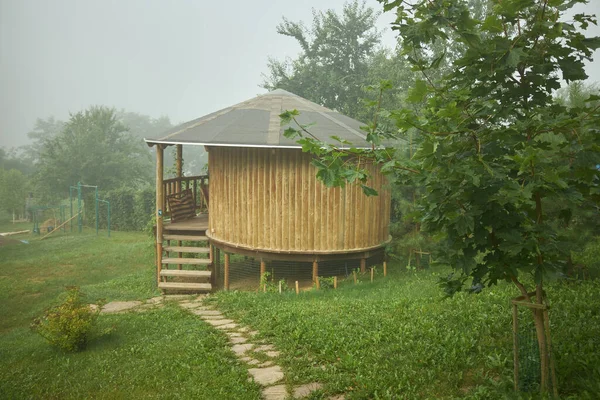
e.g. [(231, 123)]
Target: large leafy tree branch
[(502, 165)]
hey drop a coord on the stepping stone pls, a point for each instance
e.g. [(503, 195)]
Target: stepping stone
[(240, 349), (253, 333), (237, 340), (217, 322), (154, 300), (243, 329), (306, 390), (272, 353), (265, 347), (227, 326), (246, 359), (266, 364), (205, 317), (253, 362), (338, 397), (234, 334), (189, 305), (266, 376), (206, 308), (184, 297), (200, 311), (278, 392), (119, 306)]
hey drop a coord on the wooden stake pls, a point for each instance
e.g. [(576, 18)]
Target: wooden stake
[(372, 273), (279, 286), (226, 278), (354, 276), (363, 265), (385, 268), (315, 271), (335, 282), (516, 346), (297, 288)]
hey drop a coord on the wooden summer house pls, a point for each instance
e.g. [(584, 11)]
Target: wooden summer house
[(262, 199)]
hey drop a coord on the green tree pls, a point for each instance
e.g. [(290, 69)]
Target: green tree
[(333, 65), (13, 191), (94, 148), (502, 166)]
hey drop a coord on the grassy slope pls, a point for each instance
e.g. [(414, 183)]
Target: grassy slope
[(159, 354), (32, 275), (398, 338)]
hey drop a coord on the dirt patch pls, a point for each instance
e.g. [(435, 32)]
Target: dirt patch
[(6, 241)]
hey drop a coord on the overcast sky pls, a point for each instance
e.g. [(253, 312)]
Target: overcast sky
[(180, 58)]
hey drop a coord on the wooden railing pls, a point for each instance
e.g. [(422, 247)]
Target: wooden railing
[(177, 185)]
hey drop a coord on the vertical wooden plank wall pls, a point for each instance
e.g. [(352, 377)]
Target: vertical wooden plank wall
[(271, 199)]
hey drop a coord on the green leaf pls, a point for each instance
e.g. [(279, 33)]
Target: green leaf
[(369, 191), (418, 92)]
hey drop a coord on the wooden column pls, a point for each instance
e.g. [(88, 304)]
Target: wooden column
[(363, 265), (217, 265), (226, 277), (159, 210), (315, 271), (179, 165)]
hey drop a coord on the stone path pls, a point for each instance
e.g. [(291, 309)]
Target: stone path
[(266, 373)]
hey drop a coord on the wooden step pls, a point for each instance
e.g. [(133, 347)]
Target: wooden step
[(189, 238), (189, 261), (185, 286), (185, 272), (184, 249)]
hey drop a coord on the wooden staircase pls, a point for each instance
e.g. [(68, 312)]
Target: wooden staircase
[(183, 267)]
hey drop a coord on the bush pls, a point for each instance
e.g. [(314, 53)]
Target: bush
[(69, 325)]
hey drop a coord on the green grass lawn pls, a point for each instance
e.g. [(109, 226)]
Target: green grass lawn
[(400, 338), (167, 353), (395, 338)]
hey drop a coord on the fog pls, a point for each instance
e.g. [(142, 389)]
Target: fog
[(182, 59)]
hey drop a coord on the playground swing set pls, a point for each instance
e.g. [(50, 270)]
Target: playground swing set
[(62, 222)]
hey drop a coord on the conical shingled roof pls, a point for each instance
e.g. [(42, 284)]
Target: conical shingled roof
[(256, 123)]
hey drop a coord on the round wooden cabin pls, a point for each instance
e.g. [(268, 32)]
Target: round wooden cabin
[(265, 200)]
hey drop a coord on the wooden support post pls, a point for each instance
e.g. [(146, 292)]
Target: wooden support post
[(550, 354), (263, 270), (217, 265), (180, 254), (372, 274), (318, 283), (385, 268), (315, 271), (297, 288), (363, 265), (335, 282), (179, 166), (226, 277), (159, 210), (516, 346)]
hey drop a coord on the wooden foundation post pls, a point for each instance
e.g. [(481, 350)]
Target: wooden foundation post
[(263, 270), (226, 277), (159, 210), (363, 265), (217, 265), (318, 283), (315, 271)]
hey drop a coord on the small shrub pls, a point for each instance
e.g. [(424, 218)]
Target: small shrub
[(69, 325), (326, 283), (268, 285)]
